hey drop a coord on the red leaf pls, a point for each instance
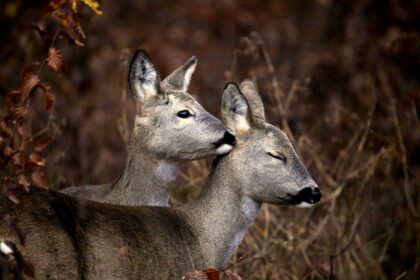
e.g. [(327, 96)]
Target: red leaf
[(22, 128), (212, 274), (28, 69), (77, 28), (5, 127), (39, 179), (12, 99), (13, 197), (18, 160), (55, 60), (48, 95), (20, 112), (64, 18), (53, 6), (232, 276), (71, 20), (207, 274), (8, 151), (30, 81), (36, 159), (41, 144), (23, 181)]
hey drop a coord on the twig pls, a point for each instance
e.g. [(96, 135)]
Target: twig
[(386, 87), (123, 120), (344, 248)]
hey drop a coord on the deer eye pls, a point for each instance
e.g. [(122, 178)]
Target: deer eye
[(278, 156), (184, 114)]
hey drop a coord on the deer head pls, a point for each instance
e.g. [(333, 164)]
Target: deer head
[(169, 120), (264, 153)]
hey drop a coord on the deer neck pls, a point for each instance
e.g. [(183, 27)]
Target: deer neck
[(220, 216), (146, 179)]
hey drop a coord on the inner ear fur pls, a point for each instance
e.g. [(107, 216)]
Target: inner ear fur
[(254, 100), (143, 78), (181, 77), (235, 109)]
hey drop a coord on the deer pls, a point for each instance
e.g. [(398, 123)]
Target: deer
[(170, 127), (69, 238)]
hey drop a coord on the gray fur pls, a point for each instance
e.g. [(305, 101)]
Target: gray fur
[(88, 240), (160, 139), (256, 105)]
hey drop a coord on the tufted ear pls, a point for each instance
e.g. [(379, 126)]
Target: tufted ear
[(254, 100), (143, 78), (235, 110), (180, 78)]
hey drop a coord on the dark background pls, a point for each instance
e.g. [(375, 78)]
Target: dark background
[(340, 77)]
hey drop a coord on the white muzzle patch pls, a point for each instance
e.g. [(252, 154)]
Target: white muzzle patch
[(224, 149), (5, 249), (304, 204)]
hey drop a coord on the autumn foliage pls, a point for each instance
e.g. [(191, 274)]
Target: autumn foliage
[(22, 163), (341, 78)]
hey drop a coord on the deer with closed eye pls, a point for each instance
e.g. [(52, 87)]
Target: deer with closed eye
[(170, 127), (89, 240)]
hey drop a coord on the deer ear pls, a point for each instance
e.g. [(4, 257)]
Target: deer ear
[(235, 110), (143, 78), (180, 78), (254, 100)]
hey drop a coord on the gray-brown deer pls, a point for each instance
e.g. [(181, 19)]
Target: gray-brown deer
[(70, 239), (170, 127)]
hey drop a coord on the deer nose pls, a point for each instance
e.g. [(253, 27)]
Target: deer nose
[(225, 144), (228, 138), (309, 195), (316, 195)]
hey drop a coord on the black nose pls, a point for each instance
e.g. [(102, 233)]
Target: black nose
[(227, 139), (316, 195), (309, 195)]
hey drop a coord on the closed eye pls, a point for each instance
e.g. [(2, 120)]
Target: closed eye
[(278, 156)]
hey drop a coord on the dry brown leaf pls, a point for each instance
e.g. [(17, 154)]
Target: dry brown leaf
[(207, 274), (71, 39), (12, 97), (78, 28), (14, 198), (53, 6), (48, 96), (55, 60), (23, 181), (94, 5), (73, 5), (195, 275), (65, 20), (42, 32), (39, 179), (5, 127), (37, 160), (22, 128), (232, 276), (41, 144), (20, 112), (30, 81), (18, 159), (8, 151)]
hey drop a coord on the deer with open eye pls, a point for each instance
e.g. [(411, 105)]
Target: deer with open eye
[(170, 127), (89, 240)]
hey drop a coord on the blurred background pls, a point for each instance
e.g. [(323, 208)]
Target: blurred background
[(342, 78)]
